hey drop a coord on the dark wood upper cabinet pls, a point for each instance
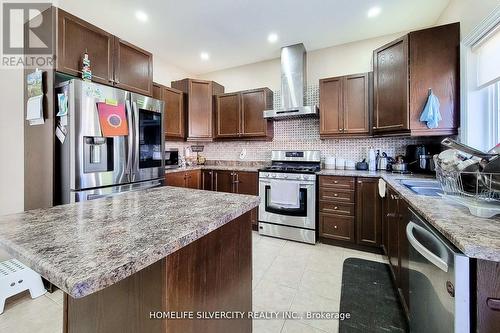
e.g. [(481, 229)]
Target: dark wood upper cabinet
[(113, 61), (368, 212), (330, 106), (405, 70), (173, 113), (345, 106), (74, 37), (253, 104), (133, 68), (390, 67), (228, 115), (240, 114), (198, 106)]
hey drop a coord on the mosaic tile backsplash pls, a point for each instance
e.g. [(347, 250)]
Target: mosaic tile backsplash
[(301, 134)]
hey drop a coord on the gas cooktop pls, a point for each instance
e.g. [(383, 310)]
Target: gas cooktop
[(291, 169)]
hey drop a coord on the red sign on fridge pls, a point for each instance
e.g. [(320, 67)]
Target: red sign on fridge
[(113, 119)]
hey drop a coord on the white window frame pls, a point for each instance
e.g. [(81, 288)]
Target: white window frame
[(469, 81)]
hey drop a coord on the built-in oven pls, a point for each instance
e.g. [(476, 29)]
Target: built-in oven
[(290, 222)]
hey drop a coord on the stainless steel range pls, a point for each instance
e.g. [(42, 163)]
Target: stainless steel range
[(288, 191)]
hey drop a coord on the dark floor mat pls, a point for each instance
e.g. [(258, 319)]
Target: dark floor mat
[(370, 297)]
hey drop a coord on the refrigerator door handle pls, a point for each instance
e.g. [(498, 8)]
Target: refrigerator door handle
[(128, 168), (439, 262), (135, 165)]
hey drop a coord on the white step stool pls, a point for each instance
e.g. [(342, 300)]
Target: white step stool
[(16, 278)]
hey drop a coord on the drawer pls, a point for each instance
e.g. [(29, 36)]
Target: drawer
[(337, 208), (336, 195), (346, 183), (336, 227)]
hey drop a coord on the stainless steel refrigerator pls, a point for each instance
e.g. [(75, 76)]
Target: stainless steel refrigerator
[(90, 165)]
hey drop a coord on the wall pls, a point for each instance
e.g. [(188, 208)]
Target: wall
[(468, 12), (332, 61)]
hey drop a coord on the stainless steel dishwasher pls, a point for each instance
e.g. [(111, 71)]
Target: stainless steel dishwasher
[(439, 281)]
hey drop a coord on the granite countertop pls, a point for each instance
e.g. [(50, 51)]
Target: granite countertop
[(215, 167), (476, 237), (85, 247)]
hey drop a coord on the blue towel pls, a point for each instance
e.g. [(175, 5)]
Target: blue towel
[(431, 113)]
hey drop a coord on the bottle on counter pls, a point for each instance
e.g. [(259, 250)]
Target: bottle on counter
[(372, 160)]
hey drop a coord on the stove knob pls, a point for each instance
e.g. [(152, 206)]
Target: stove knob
[(273, 176), (285, 177)]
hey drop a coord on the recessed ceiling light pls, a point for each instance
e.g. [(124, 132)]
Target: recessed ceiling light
[(374, 11), (272, 38), (141, 16), (204, 56)]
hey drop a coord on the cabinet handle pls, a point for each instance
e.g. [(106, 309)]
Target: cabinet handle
[(335, 195), (493, 304), (335, 181), (360, 182), (390, 215), (335, 207), (334, 227)]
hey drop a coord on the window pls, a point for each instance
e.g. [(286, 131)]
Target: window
[(481, 90)]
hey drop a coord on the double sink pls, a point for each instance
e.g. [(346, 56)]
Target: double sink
[(430, 188)]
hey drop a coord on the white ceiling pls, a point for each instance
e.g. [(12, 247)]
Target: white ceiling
[(234, 32)]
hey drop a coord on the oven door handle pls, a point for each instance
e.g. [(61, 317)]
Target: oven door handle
[(426, 253), (302, 184)]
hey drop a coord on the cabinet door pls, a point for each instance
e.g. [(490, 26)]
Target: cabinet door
[(336, 227), (330, 106), (157, 91), (393, 232), (390, 71), (253, 104), (207, 179), (488, 296), (228, 115), (200, 110), (193, 179), (247, 183), (75, 36), (174, 122), (175, 179), (356, 104), (224, 181), (133, 68), (404, 270), (368, 216)]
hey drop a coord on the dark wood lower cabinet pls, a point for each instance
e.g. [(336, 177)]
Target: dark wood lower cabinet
[(487, 296), (349, 210), (368, 212), (207, 180), (336, 227), (187, 179), (214, 273), (224, 181)]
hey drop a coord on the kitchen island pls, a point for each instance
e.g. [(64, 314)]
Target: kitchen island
[(122, 259)]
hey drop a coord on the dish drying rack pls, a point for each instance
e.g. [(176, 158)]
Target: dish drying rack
[(478, 191)]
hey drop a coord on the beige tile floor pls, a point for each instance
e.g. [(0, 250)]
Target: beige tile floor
[(287, 276)]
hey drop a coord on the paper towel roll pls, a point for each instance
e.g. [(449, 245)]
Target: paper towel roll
[(381, 188)]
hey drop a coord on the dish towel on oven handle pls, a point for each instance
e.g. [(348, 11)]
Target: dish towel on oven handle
[(431, 114), (285, 193)]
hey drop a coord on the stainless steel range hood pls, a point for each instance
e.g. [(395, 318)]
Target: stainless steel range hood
[(293, 83)]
